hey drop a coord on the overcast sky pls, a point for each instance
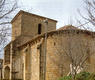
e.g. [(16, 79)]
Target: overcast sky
[(64, 11)]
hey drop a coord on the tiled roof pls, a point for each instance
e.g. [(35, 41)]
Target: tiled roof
[(68, 27)]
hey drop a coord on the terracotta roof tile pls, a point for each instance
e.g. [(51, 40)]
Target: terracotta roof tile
[(68, 27)]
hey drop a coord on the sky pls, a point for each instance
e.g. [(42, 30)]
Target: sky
[(64, 11)]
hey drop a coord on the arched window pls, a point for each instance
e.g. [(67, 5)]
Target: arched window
[(39, 28)]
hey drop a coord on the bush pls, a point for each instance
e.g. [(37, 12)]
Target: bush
[(81, 76), (92, 76), (66, 78)]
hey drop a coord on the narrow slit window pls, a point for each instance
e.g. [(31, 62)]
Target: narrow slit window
[(39, 28)]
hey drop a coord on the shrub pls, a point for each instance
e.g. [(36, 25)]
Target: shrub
[(83, 76), (92, 76), (66, 78), (80, 76)]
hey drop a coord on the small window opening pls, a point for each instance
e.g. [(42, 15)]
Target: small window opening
[(54, 43), (39, 28)]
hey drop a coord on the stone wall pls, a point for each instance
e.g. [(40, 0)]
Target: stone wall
[(18, 66), (35, 64), (30, 25), (16, 27), (57, 62), (26, 24), (28, 60)]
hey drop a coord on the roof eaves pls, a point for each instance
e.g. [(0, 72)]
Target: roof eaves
[(52, 32), (21, 11)]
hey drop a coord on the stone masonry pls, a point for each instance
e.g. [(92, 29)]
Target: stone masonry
[(24, 56)]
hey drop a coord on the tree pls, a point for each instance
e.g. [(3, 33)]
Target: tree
[(6, 8), (89, 16), (76, 48)]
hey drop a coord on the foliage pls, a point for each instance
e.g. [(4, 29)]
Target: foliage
[(81, 76), (66, 78)]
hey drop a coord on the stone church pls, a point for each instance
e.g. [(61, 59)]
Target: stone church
[(39, 51)]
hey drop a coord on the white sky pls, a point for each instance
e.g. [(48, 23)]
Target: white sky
[(62, 10)]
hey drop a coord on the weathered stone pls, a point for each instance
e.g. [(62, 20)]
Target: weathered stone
[(26, 52)]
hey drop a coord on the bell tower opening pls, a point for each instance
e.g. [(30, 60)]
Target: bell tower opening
[(39, 28), (26, 24)]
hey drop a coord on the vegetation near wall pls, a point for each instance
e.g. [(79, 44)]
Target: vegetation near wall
[(80, 76)]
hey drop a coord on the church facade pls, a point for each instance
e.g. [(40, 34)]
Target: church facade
[(37, 50)]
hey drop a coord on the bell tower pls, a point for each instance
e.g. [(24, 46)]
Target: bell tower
[(28, 24)]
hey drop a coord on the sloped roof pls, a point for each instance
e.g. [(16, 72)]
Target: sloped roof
[(68, 27), (27, 13)]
